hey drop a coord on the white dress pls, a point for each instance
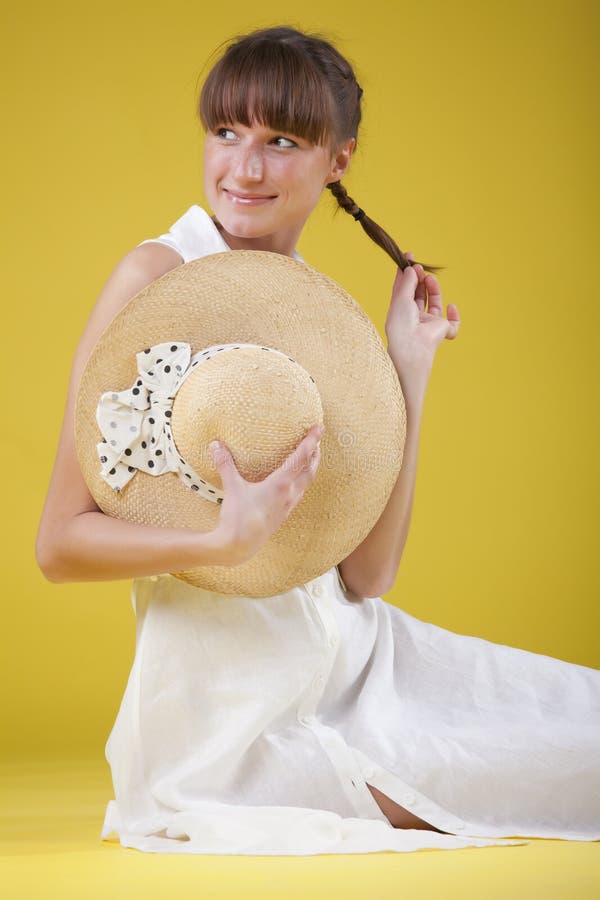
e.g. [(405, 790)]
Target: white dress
[(252, 726)]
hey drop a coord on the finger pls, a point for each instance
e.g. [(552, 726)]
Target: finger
[(296, 461), (312, 460), (307, 476), (453, 322), (308, 461), (304, 479), (434, 295), (421, 292), (313, 463), (418, 267), (405, 286), (224, 463)]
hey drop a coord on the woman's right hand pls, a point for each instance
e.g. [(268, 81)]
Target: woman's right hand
[(252, 511)]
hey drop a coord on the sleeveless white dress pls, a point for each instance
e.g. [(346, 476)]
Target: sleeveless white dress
[(252, 726)]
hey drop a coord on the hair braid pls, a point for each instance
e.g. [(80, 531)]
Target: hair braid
[(375, 231)]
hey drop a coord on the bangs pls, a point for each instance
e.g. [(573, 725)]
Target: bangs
[(272, 84)]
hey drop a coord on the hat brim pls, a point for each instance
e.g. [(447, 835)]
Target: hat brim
[(271, 299)]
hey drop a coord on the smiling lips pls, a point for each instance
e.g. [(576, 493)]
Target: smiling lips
[(247, 199)]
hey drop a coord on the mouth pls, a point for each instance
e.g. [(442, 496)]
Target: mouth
[(247, 199)]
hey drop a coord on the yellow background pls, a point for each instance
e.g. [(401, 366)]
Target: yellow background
[(478, 151)]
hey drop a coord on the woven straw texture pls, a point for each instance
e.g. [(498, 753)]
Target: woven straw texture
[(261, 409)]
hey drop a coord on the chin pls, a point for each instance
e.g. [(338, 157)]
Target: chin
[(243, 231), (243, 226)]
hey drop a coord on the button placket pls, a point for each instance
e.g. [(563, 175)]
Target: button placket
[(307, 720), (322, 604), (347, 770), (308, 705), (318, 682)]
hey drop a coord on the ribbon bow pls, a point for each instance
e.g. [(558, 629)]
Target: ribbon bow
[(136, 422)]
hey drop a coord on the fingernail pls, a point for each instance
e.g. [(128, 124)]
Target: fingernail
[(214, 445)]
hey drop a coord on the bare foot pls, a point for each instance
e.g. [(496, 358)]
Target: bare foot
[(163, 833), (398, 816)]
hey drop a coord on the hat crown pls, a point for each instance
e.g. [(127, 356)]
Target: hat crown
[(258, 402)]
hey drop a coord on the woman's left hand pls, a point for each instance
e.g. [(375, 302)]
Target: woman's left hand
[(415, 327)]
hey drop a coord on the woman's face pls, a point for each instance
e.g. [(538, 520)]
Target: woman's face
[(262, 185)]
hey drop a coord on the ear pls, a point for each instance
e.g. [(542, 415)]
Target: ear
[(341, 161)]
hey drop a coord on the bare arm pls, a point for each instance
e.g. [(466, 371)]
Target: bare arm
[(76, 541), (413, 337), (95, 547), (371, 569)]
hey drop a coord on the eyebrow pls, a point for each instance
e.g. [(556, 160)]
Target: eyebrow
[(268, 128)]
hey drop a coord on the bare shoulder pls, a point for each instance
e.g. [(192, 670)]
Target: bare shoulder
[(154, 257), (134, 271), (139, 267)]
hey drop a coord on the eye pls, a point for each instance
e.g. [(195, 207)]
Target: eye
[(288, 142), (223, 132)]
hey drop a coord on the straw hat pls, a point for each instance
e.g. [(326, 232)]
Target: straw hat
[(251, 348)]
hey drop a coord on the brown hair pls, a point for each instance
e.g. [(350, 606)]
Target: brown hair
[(300, 84)]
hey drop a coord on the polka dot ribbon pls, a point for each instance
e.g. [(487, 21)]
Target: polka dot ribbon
[(136, 422)]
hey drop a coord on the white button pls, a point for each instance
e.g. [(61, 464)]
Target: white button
[(333, 640), (319, 681), (154, 578), (409, 798), (307, 720), (317, 590)]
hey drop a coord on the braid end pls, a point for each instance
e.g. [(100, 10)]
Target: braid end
[(373, 230)]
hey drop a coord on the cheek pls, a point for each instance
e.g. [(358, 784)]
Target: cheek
[(211, 161), (211, 173), (305, 183), (207, 181)]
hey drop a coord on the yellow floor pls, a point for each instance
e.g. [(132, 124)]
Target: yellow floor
[(52, 813)]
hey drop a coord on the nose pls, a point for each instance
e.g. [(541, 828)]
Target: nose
[(249, 164)]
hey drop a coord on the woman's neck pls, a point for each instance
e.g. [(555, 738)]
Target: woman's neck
[(284, 244)]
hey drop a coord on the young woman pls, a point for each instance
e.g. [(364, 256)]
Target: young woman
[(412, 726)]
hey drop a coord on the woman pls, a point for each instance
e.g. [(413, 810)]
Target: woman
[(381, 748)]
